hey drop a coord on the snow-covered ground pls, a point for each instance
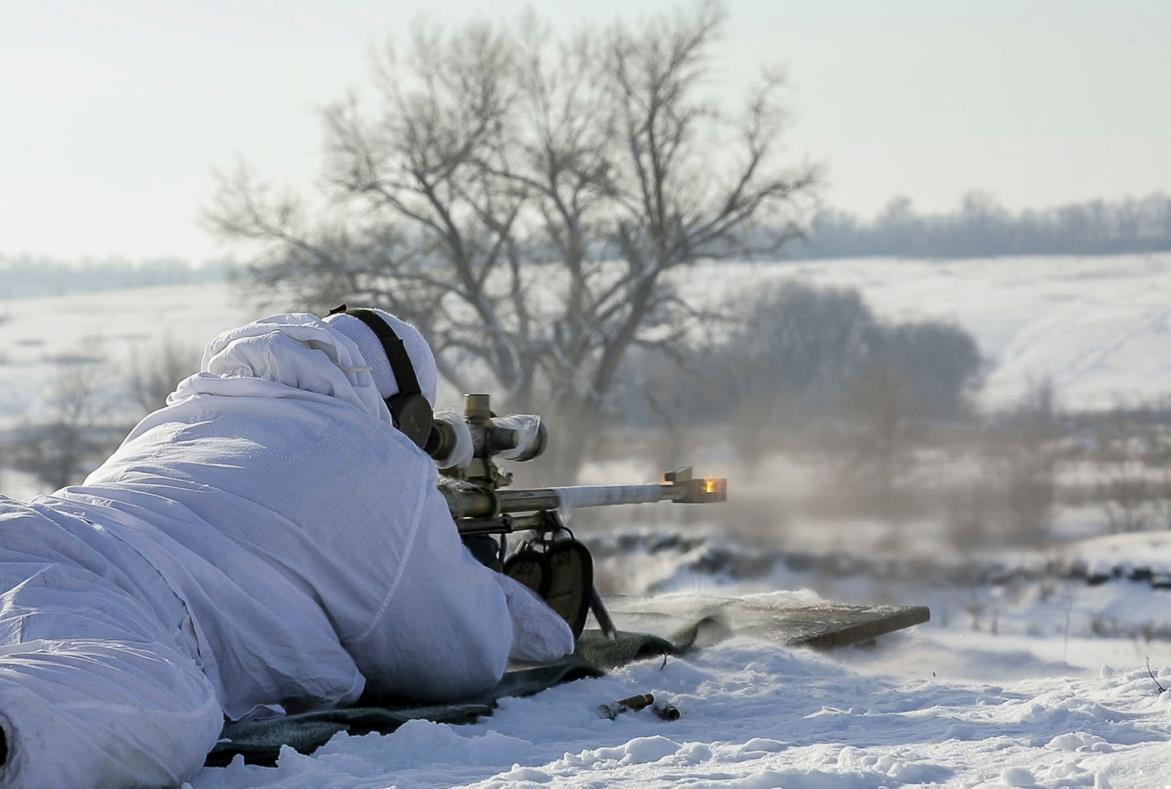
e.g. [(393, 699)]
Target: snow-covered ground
[(1032, 681), (1032, 698), (915, 710), (1015, 684)]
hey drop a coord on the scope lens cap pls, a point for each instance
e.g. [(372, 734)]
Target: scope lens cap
[(501, 439)]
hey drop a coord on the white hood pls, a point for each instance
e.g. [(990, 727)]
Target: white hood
[(288, 356)]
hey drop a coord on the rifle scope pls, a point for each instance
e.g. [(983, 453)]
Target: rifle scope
[(517, 437)]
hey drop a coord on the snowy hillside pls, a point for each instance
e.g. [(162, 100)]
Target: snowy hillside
[(1100, 327)]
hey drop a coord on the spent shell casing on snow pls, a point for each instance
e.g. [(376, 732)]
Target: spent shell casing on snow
[(668, 712), (614, 709)]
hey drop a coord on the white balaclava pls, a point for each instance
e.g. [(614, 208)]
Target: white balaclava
[(371, 348)]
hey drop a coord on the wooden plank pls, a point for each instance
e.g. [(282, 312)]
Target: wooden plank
[(832, 626), (794, 622)]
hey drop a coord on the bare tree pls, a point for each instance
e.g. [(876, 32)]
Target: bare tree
[(525, 201), (1127, 491), (1126, 495), (1024, 451), (788, 359), (58, 449), (152, 375), (882, 407), (1162, 499)]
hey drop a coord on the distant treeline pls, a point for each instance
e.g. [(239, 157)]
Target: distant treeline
[(24, 276), (983, 228)]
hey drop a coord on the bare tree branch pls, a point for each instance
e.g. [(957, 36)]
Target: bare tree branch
[(525, 199)]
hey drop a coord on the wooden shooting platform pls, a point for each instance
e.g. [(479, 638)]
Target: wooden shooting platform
[(792, 620), (830, 625)]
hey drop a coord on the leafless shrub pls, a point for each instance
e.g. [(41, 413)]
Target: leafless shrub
[(153, 374), (1130, 493), (1023, 455), (1125, 495), (970, 511), (1010, 495), (59, 449), (1162, 499), (796, 354), (881, 406)]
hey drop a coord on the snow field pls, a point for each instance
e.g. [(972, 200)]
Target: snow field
[(1148, 550), (755, 714), (1100, 327), (112, 326)]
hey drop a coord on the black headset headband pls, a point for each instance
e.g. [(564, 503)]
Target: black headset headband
[(408, 407), (392, 344)]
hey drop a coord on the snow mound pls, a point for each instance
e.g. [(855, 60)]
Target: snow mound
[(1138, 555)]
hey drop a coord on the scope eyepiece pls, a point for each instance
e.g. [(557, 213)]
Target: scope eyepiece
[(441, 441)]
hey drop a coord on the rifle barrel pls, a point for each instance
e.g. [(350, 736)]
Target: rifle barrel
[(572, 497), (471, 501)]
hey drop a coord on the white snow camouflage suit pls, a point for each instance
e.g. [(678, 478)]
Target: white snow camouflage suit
[(268, 538)]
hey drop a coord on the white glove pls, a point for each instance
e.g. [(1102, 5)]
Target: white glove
[(539, 634), (461, 454)]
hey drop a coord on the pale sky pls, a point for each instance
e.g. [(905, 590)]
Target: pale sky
[(114, 113)]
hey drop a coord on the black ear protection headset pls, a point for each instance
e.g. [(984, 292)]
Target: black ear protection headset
[(410, 411)]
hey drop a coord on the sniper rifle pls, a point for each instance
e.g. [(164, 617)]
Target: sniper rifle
[(550, 560)]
